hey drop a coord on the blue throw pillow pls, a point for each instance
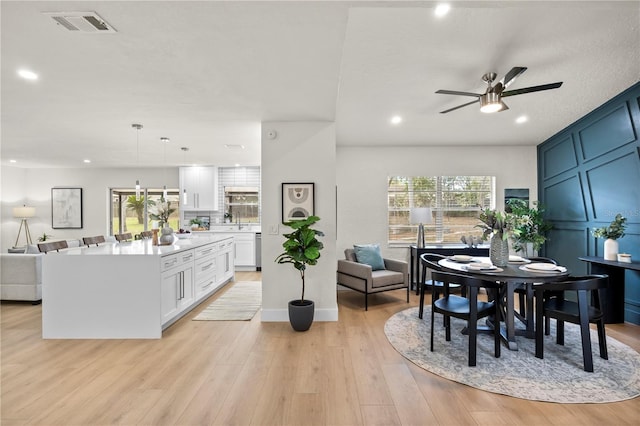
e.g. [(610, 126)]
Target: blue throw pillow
[(370, 255)]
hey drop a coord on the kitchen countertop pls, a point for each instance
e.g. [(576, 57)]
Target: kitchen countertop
[(141, 247), (230, 229)]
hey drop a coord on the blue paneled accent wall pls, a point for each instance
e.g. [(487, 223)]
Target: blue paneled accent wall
[(588, 173)]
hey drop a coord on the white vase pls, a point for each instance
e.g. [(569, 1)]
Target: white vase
[(610, 249)]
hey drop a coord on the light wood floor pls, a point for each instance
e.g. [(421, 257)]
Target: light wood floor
[(254, 373)]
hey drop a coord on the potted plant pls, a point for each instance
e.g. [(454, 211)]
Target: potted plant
[(195, 223), (531, 226), (612, 232), (301, 249), (44, 237)]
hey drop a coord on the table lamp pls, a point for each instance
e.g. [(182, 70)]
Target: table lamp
[(419, 216), (24, 213)]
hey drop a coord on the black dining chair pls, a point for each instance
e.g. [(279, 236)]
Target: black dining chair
[(430, 261), (551, 303), (525, 294), (468, 308)]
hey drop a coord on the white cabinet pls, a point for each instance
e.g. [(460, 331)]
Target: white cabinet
[(201, 185), (206, 276), (245, 249), (225, 260), (177, 285)]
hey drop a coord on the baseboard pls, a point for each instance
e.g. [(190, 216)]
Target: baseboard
[(282, 315)]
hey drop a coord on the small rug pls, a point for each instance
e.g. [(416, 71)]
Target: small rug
[(239, 303), (559, 377)]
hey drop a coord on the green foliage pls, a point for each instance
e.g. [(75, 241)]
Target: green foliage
[(195, 221), (301, 247), (44, 237), (530, 223), (614, 231), (497, 222), (137, 205)]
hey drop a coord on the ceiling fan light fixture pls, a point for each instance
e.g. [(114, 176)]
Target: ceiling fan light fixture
[(490, 102)]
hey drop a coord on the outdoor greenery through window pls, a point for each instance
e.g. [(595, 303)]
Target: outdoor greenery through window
[(135, 216), (453, 204)]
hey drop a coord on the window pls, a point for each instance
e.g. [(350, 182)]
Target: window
[(131, 215), (454, 201)]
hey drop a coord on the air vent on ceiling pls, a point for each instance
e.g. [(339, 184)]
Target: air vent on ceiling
[(84, 22)]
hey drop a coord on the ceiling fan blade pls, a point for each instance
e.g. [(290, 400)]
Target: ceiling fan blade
[(455, 92), (459, 106), (532, 89), (511, 76)]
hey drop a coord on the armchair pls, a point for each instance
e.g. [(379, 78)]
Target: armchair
[(362, 278)]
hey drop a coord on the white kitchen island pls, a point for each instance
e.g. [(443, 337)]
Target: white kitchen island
[(130, 290)]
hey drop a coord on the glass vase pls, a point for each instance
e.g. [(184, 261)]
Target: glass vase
[(499, 250)]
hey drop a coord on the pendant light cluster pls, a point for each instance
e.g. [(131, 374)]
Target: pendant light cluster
[(137, 127)]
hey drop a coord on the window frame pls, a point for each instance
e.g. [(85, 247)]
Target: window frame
[(433, 192)]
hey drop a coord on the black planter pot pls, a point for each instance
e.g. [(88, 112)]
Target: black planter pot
[(301, 314)]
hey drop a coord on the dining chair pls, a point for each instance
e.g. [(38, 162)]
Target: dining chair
[(525, 294), (551, 303), (430, 261), (55, 245), (88, 241), (144, 235), (468, 308), (123, 237)]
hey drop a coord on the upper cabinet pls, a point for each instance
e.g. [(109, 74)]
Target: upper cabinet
[(201, 186)]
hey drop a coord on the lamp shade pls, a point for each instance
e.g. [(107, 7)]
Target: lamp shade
[(24, 212), (419, 215)]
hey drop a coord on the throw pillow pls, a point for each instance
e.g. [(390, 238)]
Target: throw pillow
[(369, 254)]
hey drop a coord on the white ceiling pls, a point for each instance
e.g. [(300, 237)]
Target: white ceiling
[(207, 73)]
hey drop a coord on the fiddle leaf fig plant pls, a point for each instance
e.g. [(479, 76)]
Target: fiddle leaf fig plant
[(301, 247)]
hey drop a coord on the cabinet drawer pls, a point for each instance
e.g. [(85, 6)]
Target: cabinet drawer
[(205, 267), (204, 251), (177, 259)]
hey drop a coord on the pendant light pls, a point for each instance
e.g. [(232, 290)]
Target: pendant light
[(185, 198), (164, 141), (137, 127)]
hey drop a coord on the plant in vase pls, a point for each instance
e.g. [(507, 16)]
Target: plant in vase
[(530, 224), (499, 226), (301, 249), (163, 211), (612, 233)]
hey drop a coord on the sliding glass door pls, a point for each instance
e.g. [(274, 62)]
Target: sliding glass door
[(129, 214)]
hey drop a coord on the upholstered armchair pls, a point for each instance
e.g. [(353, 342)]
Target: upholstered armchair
[(366, 279)]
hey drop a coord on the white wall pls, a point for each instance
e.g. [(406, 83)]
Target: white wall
[(362, 174), (33, 187), (301, 152)]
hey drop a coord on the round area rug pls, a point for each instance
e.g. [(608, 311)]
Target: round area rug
[(559, 377)]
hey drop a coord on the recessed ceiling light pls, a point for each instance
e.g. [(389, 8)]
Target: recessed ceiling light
[(234, 147), (396, 119), (237, 164), (27, 75), (442, 9), (13, 161), (522, 119), (86, 160)]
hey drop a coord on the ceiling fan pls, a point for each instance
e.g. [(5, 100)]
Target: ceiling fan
[(491, 99)]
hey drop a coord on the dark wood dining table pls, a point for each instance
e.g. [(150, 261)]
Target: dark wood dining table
[(511, 277)]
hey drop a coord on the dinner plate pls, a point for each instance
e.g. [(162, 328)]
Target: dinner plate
[(518, 259), (550, 268), (461, 258), (480, 267), (542, 266)]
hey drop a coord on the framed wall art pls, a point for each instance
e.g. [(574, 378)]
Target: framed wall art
[(66, 208), (297, 201)]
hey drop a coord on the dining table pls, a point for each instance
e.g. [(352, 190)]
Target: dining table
[(519, 272)]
